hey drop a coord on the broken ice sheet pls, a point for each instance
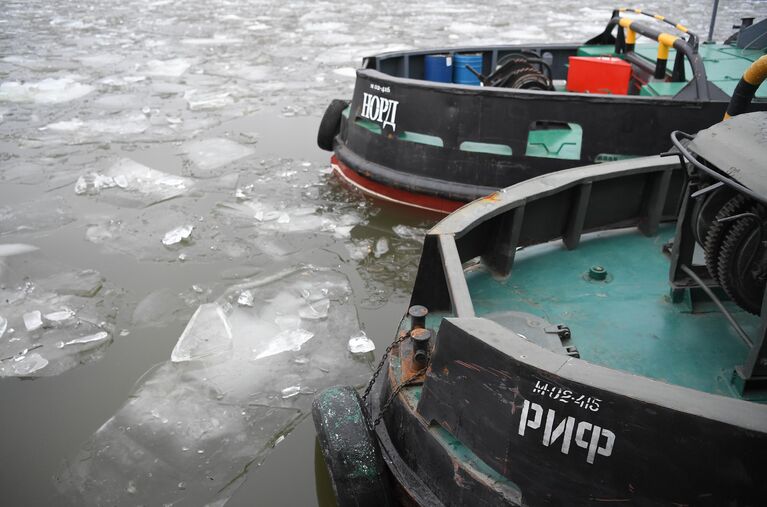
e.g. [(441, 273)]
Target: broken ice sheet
[(170, 68), (204, 423), (140, 234), (35, 216), (53, 318), (210, 154), (207, 334), (134, 184), (47, 91)]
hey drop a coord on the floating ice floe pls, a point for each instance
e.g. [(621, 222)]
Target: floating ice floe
[(207, 334), (134, 184), (203, 423), (285, 218), (345, 72), (8, 249), (407, 232), (170, 68), (47, 91), (361, 344), (177, 235), (128, 124), (216, 40), (163, 307), (382, 246), (210, 154), (35, 216), (52, 319), (199, 101)]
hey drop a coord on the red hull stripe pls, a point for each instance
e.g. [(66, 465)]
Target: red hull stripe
[(381, 191)]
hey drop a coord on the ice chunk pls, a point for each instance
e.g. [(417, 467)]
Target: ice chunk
[(207, 334), (134, 184), (245, 298), (207, 100), (92, 183), (3, 325), (361, 344), (316, 310), (85, 283), (177, 235), (47, 91), (210, 154), (33, 320), (289, 339), (28, 364), (358, 250), (171, 68), (59, 318), (216, 40), (291, 391), (406, 232), (125, 125), (8, 249), (382, 246), (90, 340), (46, 310)]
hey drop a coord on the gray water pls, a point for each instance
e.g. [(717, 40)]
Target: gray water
[(123, 124)]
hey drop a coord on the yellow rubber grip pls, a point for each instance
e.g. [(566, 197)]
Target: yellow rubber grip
[(631, 36), (623, 9), (625, 22), (757, 72), (659, 17), (638, 11), (681, 28), (666, 39)]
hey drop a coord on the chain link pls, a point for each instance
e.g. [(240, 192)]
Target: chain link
[(396, 391), (410, 380), (388, 350)]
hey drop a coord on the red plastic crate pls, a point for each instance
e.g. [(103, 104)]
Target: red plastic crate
[(598, 74)]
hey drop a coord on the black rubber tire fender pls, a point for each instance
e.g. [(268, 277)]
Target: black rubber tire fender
[(330, 124), (350, 449)]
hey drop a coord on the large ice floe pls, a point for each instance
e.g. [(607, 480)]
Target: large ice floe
[(133, 184), (52, 318), (47, 91), (239, 379)]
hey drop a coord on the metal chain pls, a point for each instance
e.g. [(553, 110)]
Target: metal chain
[(377, 372), (380, 365), (396, 391), (388, 350)]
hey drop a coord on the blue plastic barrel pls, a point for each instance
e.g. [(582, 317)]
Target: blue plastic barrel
[(438, 68), (462, 75)]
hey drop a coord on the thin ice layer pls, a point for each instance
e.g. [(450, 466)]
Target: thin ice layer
[(202, 423), (53, 318)]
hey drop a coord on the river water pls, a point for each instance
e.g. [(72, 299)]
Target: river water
[(179, 270)]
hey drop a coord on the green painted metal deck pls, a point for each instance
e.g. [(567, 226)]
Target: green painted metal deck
[(725, 65), (628, 322)]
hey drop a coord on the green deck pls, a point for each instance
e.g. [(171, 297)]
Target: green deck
[(627, 323), (724, 64)]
